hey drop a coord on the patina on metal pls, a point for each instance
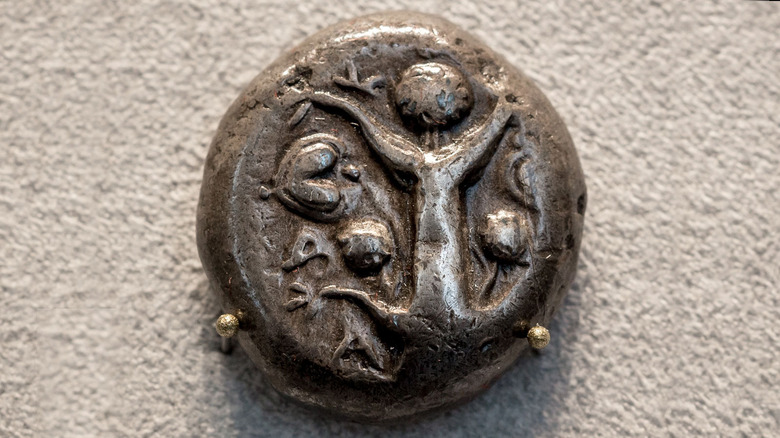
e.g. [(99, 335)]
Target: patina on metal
[(391, 213)]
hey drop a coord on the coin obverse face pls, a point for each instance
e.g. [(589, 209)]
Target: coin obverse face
[(387, 209)]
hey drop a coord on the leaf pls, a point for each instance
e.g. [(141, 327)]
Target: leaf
[(299, 114), (296, 303)]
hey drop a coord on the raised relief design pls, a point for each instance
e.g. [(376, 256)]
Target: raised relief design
[(388, 208), (434, 167)]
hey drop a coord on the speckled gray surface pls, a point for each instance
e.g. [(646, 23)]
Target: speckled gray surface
[(671, 329)]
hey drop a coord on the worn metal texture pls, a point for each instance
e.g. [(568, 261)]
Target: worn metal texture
[(387, 209)]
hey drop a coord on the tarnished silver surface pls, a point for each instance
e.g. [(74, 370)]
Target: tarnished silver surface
[(388, 209)]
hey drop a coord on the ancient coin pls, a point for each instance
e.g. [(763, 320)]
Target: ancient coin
[(387, 211)]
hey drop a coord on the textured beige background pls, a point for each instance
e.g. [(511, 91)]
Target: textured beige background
[(106, 112)]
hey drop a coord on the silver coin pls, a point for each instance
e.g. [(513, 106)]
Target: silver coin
[(388, 209)]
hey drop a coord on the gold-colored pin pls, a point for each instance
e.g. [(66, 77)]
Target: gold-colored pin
[(538, 337), (227, 325)]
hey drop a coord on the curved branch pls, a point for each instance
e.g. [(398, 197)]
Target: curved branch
[(379, 311), (521, 292), (473, 150), (491, 268), (398, 153)]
